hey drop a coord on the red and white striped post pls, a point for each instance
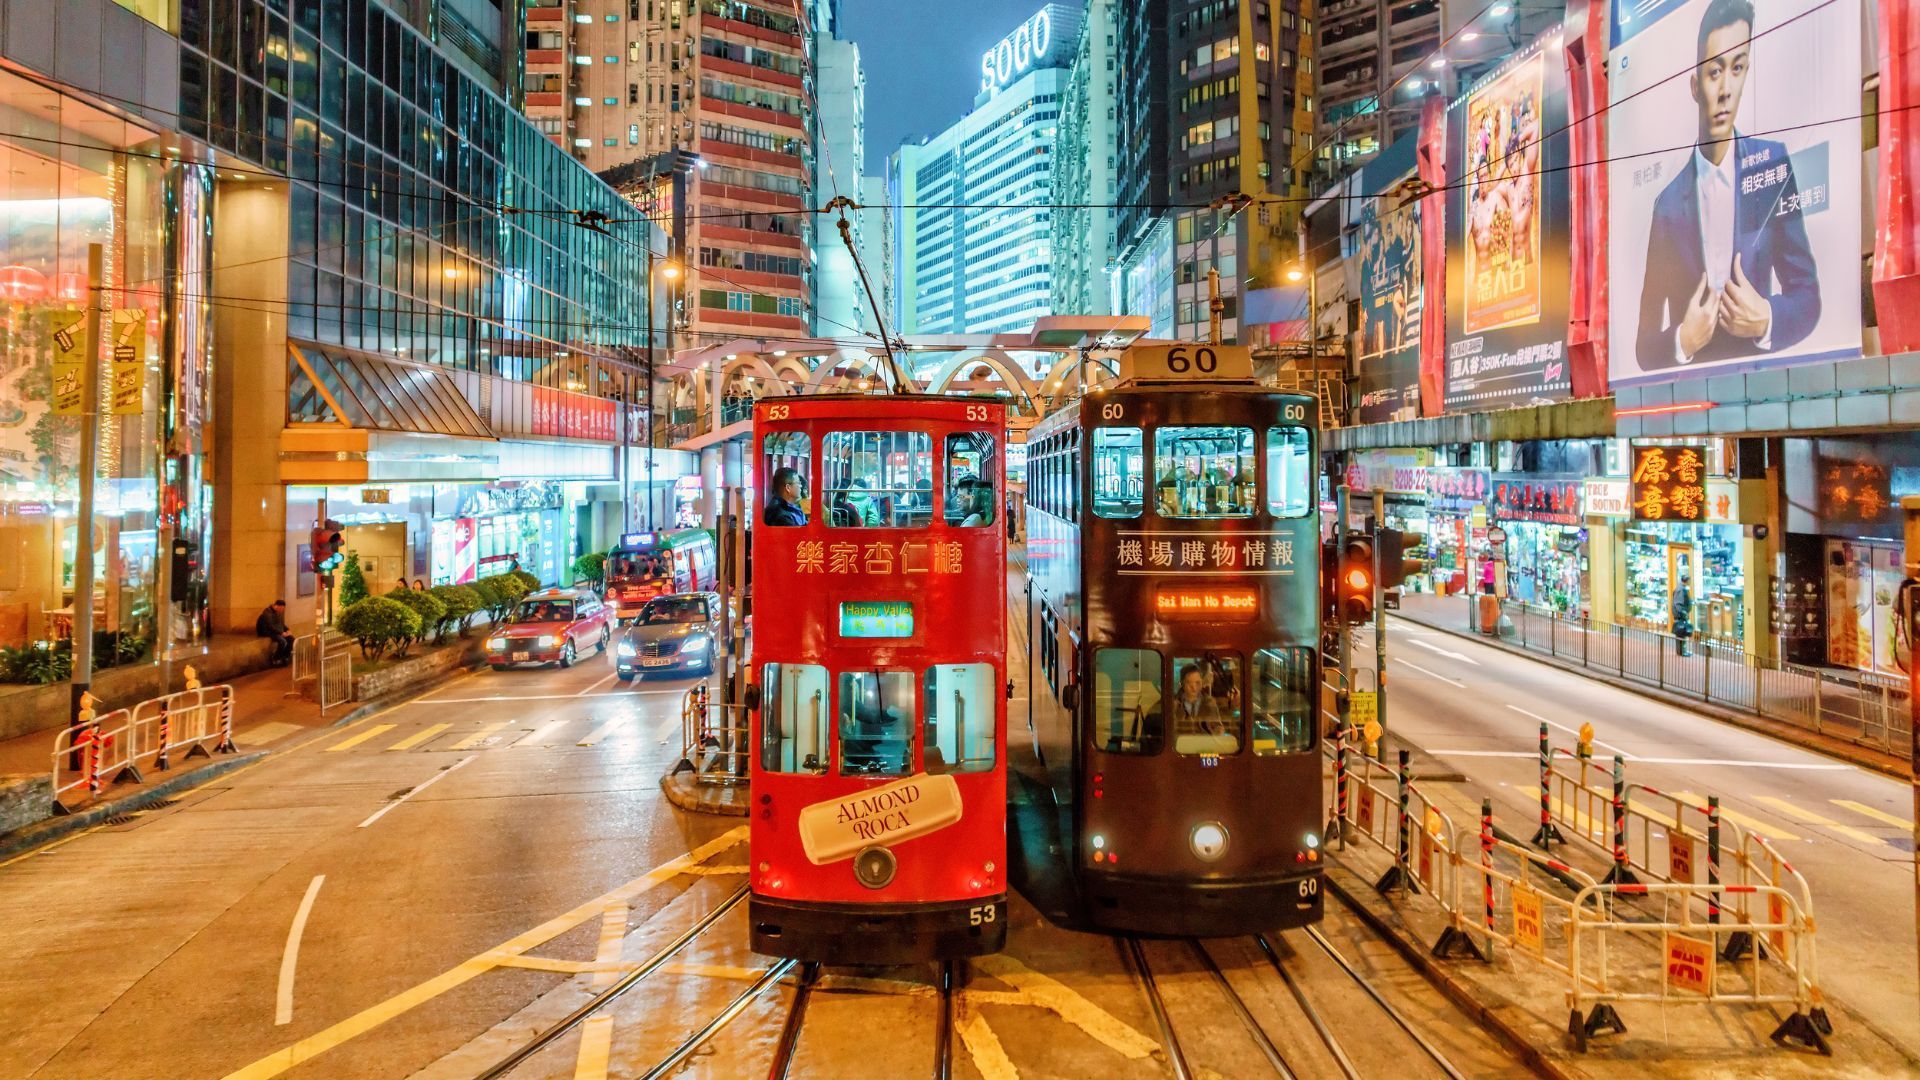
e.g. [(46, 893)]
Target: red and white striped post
[(1621, 874), (1546, 836)]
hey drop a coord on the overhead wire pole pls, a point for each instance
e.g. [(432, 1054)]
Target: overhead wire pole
[(902, 381)]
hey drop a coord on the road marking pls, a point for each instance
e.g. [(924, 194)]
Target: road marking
[(1751, 824), (480, 736), (534, 697), (983, 1046), (564, 967), (1858, 808), (1580, 822), (1066, 1003), (1812, 818), (356, 740), (601, 732), (1437, 675), (596, 1035), (596, 685), (373, 1016), (1446, 652), (418, 737), (543, 734), (1806, 766), (740, 869), (1487, 753), (283, 999), (1571, 731), (417, 789)]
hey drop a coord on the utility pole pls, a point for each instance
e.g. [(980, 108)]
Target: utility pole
[(1380, 610), (1342, 495), (83, 569)]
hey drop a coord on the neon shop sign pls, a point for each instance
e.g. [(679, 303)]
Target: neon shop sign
[(1016, 52)]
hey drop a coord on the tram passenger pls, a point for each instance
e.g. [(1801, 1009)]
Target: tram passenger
[(1166, 498), (784, 507), (976, 502)]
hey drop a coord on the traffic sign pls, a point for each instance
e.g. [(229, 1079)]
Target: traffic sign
[(1529, 930), (1363, 707), (1496, 536), (1679, 858)]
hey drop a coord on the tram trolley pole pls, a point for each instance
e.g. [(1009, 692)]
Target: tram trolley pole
[(1379, 611)]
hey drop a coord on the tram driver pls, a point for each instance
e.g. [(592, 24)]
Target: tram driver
[(1204, 721), (783, 507)]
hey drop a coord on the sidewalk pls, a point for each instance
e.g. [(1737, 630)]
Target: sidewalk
[(1684, 682)]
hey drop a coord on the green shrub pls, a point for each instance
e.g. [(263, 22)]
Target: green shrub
[(353, 583), (486, 592), (591, 568), (461, 602), (379, 624), (37, 663), (532, 582), (424, 604), (508, 589)]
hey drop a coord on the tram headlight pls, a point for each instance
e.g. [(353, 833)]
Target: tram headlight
[(1208, 840), (874, 867), (1313, 840)]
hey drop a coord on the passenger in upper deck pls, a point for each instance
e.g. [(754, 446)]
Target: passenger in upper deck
[(784, 507)]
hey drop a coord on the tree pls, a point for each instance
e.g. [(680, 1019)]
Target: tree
[(591, 568), (379, 624), (353, 583), (461, 602)]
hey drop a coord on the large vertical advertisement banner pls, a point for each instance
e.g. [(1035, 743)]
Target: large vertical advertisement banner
[(1507, 239), (1733, 142), (1385, 244)]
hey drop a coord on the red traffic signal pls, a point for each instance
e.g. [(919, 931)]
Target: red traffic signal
[(1356, 579)]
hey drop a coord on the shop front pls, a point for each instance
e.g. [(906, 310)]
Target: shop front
[(1836, 604), (1456, 516), (86, 177), (1545, 539), (1651, 558)]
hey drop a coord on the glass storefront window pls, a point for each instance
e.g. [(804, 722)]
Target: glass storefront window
[(1203, 472)]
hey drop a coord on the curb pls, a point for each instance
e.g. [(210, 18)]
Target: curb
[(1847, 752), (53, 828), (1462, 994), (723, 800)]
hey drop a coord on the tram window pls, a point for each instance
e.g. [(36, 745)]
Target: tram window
[(1206, 705), (1119, 472), (969, 494), (877, 479), (793, 718), (1283, 701), (786, 455), (1127, 701), (1290, 479), (1203, 472), (959, 729), (876, 731)]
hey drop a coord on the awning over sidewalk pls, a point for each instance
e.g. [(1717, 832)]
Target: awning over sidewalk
[(1588, 419)]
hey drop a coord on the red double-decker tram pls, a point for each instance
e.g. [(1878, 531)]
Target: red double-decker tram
[(878, 820)]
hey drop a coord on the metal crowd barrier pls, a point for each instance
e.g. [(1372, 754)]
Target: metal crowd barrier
[(1505, 894), (328, 661), (713, 739), (1862, 707), (112, 748)]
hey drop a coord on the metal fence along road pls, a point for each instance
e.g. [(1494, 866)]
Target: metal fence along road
[(1861, 707)]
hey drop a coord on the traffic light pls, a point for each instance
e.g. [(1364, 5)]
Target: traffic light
[(1354, 581), (1396, 565), (327, 543)]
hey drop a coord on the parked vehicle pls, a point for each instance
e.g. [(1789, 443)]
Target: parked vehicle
[(552, 626), (675, 633)]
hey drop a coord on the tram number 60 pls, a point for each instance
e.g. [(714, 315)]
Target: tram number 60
[(1203, 360), (985, 913), (1309, 887), (1294, 412), (1113, 410)]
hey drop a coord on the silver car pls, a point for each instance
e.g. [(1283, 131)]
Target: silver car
[(674, 633)]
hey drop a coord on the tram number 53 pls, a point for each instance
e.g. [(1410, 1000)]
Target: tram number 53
[(977, 414), (982, 915)]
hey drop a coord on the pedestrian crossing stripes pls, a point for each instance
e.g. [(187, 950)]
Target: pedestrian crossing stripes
[(480, 736), (418, 737), (352, 741), (1877, 815), (1750, 824), (564, 733), (1812, 818)]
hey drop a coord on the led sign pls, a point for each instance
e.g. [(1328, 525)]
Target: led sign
[(876, 619), (636, 540), (1209, 602), (1016, 52)]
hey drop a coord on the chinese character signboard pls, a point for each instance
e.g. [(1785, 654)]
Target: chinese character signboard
[(1549, 500), (67, 332), (1457, 489), (1205, 553), (1670, 483)]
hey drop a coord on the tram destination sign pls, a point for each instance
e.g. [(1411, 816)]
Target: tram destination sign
[(1183, 362), (1216, 603), (876, 619)]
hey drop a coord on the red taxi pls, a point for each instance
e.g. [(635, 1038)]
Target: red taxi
[(553, 626)]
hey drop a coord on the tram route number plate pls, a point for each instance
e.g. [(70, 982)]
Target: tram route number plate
[(1183, 362)]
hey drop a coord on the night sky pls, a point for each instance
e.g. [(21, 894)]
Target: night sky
[(922, 59)]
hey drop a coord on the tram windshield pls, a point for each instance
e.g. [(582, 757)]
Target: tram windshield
[(1204, 472), (1119, 472), (1206, 705), (1126, 701), (876, 708), (1282, 701), (1290, 478), (877, 479), (970, 487)]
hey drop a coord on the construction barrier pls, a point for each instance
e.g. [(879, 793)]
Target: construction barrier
[(1612, 939), (111, 749), (713, 739)]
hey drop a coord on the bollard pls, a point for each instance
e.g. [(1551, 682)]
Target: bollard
[(1621, 874), (1396, 877), (1547, 836), (225, 745), (1486, 853), (1739, 942), (160, 756), (1337, 828)]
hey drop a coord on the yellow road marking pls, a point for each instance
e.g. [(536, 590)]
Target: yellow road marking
[(601, 732), (722, 869), (983, 1046), (372, 1017), (1061, 999), (1858, 808), (66, 841), (356, 740), (1791, 810), (543, 733), (1738, 818), (555, 964), (1585, 825), (418, 737), (596, 1035), (480, 736)]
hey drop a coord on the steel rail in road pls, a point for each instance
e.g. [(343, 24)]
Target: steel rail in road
[(1306, 1008), (734, 1008), (1259, 1034), (1131, 951), (1394, 1014), (796, 1015), (606, 997), (950, 975)]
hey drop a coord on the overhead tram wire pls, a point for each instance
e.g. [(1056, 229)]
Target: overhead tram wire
[(900, 379)]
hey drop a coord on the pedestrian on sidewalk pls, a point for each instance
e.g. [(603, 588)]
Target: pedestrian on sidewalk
[(1682, 617), (1486, 573), (272, 623)]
